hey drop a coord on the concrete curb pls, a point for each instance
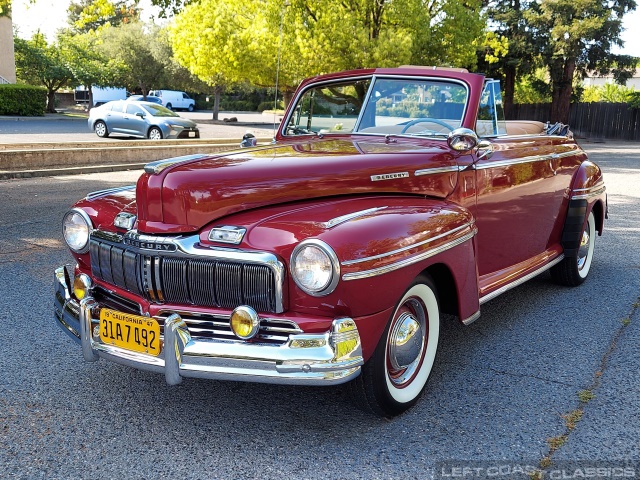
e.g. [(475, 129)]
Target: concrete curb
[(43, 160)]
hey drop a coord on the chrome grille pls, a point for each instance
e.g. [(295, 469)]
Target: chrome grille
[(272, 330), (166, 278)]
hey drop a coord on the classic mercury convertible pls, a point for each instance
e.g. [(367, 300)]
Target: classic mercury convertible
[(389, 196)]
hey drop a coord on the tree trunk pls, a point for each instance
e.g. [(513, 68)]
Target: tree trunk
[(287, 96), (51, 101), (217, 92), (562, 90), (509, 90)]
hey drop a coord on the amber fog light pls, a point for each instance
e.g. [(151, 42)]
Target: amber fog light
[(245, 322), (82, 284)]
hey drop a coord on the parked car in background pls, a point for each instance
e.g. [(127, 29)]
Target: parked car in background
[(100, 95), (175, 100), (141, 98), (140, 119), (390, 196)]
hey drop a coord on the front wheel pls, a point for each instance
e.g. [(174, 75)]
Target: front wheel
[(190, 108), (101, 129), (154, 134), (394, 378), (573, 269)]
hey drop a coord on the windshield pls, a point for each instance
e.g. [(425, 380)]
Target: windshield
[(160, 111), (390, 106)]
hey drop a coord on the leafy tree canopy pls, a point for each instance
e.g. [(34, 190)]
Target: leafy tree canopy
[(90, 15), (223, 41)]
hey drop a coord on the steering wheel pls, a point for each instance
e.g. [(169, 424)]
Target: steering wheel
[(426, 120)]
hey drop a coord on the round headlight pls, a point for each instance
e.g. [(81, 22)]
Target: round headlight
[(315, 267), (76, 228)]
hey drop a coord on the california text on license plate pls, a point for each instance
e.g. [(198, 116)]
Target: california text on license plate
[(131, 332)]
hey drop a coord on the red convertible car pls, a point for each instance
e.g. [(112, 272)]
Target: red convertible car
[(389, 196)]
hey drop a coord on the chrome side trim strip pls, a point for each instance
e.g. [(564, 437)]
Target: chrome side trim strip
[(588, 192), (108, 191), (409, 247), (409, 261), (433, 171), (530, 159), (472, 318), (350, 216), (521, 280)]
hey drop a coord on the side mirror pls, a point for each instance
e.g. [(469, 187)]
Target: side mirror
[(462, 139), (140, 114)]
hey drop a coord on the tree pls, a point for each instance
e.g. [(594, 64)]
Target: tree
[(38, 63), (576, 36), (89, 66), (318, 36), (131, 47), (5, 8), (520, 56), (90, 15)]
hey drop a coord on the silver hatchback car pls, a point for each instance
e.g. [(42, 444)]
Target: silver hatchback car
[(140, 119)]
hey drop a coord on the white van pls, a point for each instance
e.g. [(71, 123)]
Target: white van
[(174, 100), (100, 95)]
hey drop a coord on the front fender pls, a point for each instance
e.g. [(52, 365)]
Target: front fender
[(382, 244)]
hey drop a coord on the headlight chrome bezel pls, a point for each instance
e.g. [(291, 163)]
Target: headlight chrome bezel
[(332, 282), (85, 217)]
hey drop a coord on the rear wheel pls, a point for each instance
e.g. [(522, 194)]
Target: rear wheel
[(101, 129), (395, 376), (573, 269), (169, 106), (154, 134)]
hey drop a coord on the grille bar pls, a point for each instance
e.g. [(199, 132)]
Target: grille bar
[(190, 281)]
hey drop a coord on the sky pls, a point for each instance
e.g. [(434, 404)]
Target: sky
[(49, 15)]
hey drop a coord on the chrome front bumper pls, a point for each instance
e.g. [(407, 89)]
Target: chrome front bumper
[(305, 359)]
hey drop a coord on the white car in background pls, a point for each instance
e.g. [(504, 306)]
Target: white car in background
[(175, 100)]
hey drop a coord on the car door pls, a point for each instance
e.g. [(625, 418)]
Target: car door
[(521, 184), (115, 118), (134, 120)]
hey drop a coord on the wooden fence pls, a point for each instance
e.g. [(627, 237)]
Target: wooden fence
[(590, 120)]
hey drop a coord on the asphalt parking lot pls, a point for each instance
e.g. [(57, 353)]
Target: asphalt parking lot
[(547, 376)]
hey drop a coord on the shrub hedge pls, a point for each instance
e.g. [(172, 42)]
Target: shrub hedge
[(23, 100)]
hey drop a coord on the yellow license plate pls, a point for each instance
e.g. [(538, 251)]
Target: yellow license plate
[(131, 332)]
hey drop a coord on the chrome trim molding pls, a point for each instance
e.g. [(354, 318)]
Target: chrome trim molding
[(101, 193), (530, 159), (389, 176), (154, 168), (409, 247), (350, 216), (433, 171), (586, 193), (520, 281), (471, 319), (409, 261)]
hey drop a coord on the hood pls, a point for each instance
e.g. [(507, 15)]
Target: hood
[(189, 194)]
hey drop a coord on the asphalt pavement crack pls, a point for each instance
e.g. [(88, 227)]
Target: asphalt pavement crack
[(587, 394), (535, 377)]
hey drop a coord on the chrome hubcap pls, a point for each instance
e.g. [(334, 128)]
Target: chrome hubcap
[(406, 343), (583, 252), (100, 129)]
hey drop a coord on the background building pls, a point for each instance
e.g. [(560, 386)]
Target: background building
[(7, 58)]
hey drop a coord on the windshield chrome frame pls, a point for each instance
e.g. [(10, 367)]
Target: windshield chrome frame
[(373, 78)]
